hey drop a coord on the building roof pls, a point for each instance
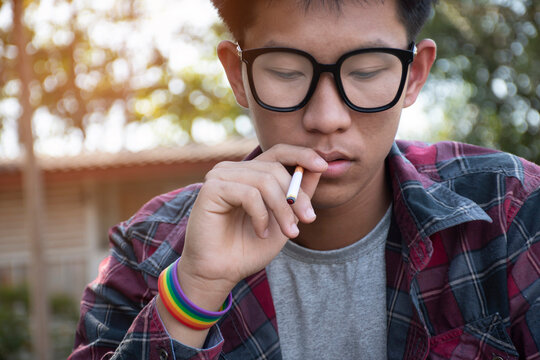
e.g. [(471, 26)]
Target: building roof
[(190, 153)]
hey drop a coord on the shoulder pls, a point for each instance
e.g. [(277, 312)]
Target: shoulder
[(505, 186), (454, 162)]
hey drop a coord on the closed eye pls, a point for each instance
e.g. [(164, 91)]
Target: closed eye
[(286, 75), (364, 75)]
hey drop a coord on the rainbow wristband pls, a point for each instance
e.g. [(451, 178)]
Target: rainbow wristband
[(181, 308)]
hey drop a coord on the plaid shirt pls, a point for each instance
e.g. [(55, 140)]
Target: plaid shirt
[(462, 260)]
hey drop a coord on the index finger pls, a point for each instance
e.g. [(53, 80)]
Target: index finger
[(293, 155)]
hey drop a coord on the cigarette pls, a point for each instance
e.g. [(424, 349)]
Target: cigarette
[(294, 186)]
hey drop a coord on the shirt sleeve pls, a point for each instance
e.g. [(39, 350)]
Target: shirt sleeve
[(113, 326), (118, 312), (524, 278)]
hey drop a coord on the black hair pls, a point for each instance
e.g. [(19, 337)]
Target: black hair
[(238, 14)]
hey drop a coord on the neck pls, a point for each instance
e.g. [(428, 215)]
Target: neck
[(347, 223)]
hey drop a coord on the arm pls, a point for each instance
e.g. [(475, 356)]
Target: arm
[(238, 224)]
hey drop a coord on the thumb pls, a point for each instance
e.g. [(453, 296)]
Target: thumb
[(302, 207), (310, 182)]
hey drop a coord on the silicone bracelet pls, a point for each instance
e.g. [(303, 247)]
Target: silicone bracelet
[(183, 309)]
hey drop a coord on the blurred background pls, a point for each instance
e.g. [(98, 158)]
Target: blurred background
[(105, 104)]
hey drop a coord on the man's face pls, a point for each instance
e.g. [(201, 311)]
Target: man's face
[(355, 144)]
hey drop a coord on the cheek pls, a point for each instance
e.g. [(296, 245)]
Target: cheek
[(263, 132), (378, 129), (274, 128), (391, 125), (387, 133)]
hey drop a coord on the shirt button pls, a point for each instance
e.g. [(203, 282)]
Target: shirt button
[(163, 354)]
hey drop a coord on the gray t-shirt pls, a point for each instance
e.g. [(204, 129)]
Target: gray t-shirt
[(332, 304)]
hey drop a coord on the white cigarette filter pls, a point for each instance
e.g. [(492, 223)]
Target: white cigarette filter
[(294, 186)]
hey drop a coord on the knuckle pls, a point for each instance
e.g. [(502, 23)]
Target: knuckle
[(267, 182), (252, 194), (279, 147), (222, 164), (210, 183), (211, 175), (272, 172), (219, 170), (262, 216), (276, 167)]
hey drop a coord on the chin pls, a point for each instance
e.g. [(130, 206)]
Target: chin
[(328, 197)]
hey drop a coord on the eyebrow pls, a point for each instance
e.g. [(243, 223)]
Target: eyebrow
[(377, 43)]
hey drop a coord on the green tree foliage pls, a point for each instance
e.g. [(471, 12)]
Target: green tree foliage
[(487, 76), (80, 79)]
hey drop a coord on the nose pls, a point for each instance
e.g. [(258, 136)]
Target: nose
[(326, 112)]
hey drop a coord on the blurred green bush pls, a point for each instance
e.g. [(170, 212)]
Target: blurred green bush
[(15, 335)]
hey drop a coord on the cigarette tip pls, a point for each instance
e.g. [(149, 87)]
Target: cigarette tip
[(291, 200)]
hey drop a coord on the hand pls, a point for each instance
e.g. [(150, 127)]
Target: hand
[(241, 220)]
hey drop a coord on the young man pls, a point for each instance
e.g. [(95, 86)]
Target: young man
[(392, 250)]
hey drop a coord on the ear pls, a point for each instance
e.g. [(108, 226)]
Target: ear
[(228, 55), (419, 70)]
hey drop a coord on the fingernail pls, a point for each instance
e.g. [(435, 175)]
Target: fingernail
[(310, 214), (266, 233), (294, 230)]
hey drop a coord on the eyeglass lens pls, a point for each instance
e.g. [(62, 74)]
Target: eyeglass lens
[(369, 80)]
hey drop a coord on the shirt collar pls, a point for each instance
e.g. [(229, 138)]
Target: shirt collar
[(431, 204), (423, 204)]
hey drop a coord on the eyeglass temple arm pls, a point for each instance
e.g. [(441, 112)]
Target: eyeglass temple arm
[(239, 50)]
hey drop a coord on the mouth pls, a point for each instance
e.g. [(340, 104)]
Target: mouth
[(338, 163), (333, 156)]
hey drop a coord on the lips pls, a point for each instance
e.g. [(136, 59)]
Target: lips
[(332, 156), (338, 163)]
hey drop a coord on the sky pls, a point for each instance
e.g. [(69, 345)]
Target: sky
[(160, 25)]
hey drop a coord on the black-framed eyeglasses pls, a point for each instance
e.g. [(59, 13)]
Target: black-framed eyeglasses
[(369, 80)]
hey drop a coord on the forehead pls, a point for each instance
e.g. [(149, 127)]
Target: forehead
[(317, 25), (327, 4)]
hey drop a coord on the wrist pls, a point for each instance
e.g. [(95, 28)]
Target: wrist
[(206, 293), (182, 308)]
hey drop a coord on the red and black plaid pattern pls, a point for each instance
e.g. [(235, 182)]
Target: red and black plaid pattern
[(462, 260)]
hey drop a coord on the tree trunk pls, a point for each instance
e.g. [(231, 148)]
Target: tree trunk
[(33, 193)]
